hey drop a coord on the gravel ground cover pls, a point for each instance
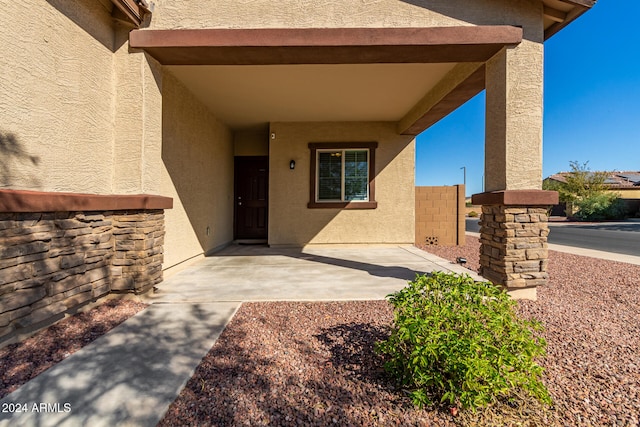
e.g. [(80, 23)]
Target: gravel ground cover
[(22, 361), (591, 313), (294, 364)]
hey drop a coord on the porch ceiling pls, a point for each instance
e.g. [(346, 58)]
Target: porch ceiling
[(255, 76), (247, 95)]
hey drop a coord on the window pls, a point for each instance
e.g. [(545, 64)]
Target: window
[(342, 175)]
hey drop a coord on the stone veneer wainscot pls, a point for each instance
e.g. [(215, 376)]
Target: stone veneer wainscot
[(53, 261)]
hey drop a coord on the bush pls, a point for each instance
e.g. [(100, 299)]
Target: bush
[(473, 214), (600, 207), (458, 341)]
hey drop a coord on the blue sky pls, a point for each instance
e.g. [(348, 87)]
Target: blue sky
[(591, 105)]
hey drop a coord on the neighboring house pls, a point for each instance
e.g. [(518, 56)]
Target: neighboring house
[(625, 183), (137, 136)]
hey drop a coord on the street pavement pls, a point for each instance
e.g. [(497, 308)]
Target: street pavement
[(620, 237), (613, 241)]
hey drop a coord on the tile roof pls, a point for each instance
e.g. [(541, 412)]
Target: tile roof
[(616, 179)]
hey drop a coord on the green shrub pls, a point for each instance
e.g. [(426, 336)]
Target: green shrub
[(600, 207), (459, 342), (473, 214)]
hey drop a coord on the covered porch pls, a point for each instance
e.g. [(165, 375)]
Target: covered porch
[(287, 94)]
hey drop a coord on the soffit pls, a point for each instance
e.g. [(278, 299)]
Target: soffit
[(251, 76), (131, 12), (560, 13), (246, 95)]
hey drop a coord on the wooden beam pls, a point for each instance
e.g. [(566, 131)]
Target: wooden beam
[(570, 16), (582, 3), (460, 85), (129, 11), (325, 45), (555, 14)]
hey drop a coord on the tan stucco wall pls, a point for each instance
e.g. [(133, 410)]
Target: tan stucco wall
[(251, 142), (628, 193), (514, 112), (57, 96), (291, 223), (197, 156), (138, 120), (338, 13), (79, 111)]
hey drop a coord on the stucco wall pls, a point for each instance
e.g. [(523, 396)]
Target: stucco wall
[(291, 223), (514, 113), (137, 120), (197, 156), (56, 95), (343, 13), (251, 142), (628, 193)]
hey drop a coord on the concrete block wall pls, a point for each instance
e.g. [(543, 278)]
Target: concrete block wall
[(54, 262), (440, 215)]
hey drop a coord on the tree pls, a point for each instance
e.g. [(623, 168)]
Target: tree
[(586, 194)]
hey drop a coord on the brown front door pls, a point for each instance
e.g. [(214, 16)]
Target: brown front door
[(251, 197)]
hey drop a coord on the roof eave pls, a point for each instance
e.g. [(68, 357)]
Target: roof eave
[(579, 8)]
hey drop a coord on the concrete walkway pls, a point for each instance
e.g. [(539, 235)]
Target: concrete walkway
[(130, 376), (127, 377)]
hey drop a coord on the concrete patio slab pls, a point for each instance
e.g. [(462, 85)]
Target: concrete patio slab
[(260, 273)]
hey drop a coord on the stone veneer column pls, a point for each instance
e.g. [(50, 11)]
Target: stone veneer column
[(513, 239), (138, 254)]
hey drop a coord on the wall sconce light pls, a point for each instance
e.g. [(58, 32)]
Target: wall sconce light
[(292, 164)]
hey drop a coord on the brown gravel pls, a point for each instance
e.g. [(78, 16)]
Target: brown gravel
[(22, 361), (291, 364), (591, 313)]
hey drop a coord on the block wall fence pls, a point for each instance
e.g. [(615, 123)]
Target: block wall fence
[(60, 251), (440, 215)]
